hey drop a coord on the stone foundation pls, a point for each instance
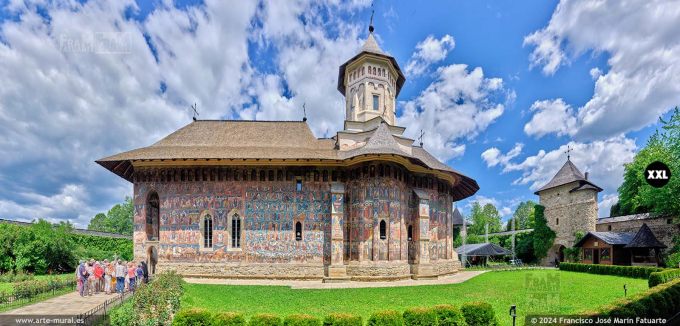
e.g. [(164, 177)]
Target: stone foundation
[(246, 271)]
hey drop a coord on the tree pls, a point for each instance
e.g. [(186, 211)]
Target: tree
[(484, 215), (524, 216), (635, 195), (119, 219), (543, 235), (44, 248)]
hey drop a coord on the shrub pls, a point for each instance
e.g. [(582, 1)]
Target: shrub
[(229, 319), (156, 303), (657, 278), (342, 320), (12, 277), (420, 317), (265, 320), (673, 260), (479, 314), (386, 318), (123, 315), (301, 320), (628, 271), (448, 315), (193, 317)]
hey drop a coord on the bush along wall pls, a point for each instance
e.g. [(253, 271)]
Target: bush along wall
[(470, 314), (657, 278), (627, 271), (155, 303), (661, 301)]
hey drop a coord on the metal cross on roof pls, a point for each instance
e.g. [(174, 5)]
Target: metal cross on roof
[(421, 137), (370, 26), (304, 112), (193, 107), (569, 150)]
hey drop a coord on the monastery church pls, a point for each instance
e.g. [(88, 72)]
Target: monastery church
[(267, 199)]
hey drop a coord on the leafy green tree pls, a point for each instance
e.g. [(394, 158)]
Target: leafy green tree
[(481, 216), (543, 235), (119, 219), (635, 195), (44, 248), (8, 237), (523, 216)]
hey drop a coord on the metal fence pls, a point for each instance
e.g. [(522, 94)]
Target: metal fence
[(97, 315), (22, 296)]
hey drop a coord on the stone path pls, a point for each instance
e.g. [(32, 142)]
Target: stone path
[(451, 279), (68, 304)]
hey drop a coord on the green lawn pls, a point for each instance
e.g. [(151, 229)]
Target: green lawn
[(575, 292)]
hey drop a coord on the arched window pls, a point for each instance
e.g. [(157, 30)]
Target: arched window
[(298, 231), (152, 217), (383, 230), (236, 231), (410, 232), (207, 231)]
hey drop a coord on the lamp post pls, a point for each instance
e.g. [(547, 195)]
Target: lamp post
[(513, 313), (625, 290)]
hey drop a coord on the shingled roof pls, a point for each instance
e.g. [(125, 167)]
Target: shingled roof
[(612, 238), (644, 238), (281, 140), (569, 173), (457, 217)]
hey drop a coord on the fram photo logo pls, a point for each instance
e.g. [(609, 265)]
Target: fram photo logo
[(657, 174)]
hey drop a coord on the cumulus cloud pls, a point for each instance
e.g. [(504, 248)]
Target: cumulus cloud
[(493, 155), (606, 203), (643, 77), (459, 103), (428, 52), (551, 116), (84, 80)]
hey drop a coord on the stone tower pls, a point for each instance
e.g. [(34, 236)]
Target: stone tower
[(570, 202), (370, 82)]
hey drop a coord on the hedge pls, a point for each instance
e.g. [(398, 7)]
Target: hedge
[(661, 301), (420, 317), (479, 314), (155, 303), (301, 320), (448, 315), (668, 275), (265, 320), (386, 318), (472, 314), (342, 320), (627, 271)]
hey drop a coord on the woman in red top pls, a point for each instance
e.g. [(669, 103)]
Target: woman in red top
[(98, 274)]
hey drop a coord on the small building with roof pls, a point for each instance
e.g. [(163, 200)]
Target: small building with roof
[(479, 253), (621, 248), (267, 199)]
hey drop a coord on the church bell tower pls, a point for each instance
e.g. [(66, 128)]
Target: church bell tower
[(370, 82)]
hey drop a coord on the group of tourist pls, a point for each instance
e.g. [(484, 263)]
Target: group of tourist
[(119, 276)]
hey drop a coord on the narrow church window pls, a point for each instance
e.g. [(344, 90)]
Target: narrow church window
[(207, 231), (298, 231), (410, 232), (376, 102), (298, 185), (383, 230), (557, 221), (236, 231), (609, 227)]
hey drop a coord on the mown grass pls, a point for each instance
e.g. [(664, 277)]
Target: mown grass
[(552, 291)]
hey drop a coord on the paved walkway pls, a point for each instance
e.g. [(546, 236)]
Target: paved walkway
[(68, 304), (451, 279)]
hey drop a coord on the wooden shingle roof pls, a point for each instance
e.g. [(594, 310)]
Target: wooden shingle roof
[(644, 238), (569, 173)]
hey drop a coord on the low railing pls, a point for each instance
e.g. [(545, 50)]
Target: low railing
[(21, 297), (97, 314)]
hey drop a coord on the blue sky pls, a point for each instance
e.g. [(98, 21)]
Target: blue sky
[(500, 88)]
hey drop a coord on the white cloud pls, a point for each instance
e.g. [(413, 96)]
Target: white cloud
[(605, 205), (595, 73), (493, 156), (428, 52), (643, 77), (69, 204), (460, 103), (551, 116), (603, 159)]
